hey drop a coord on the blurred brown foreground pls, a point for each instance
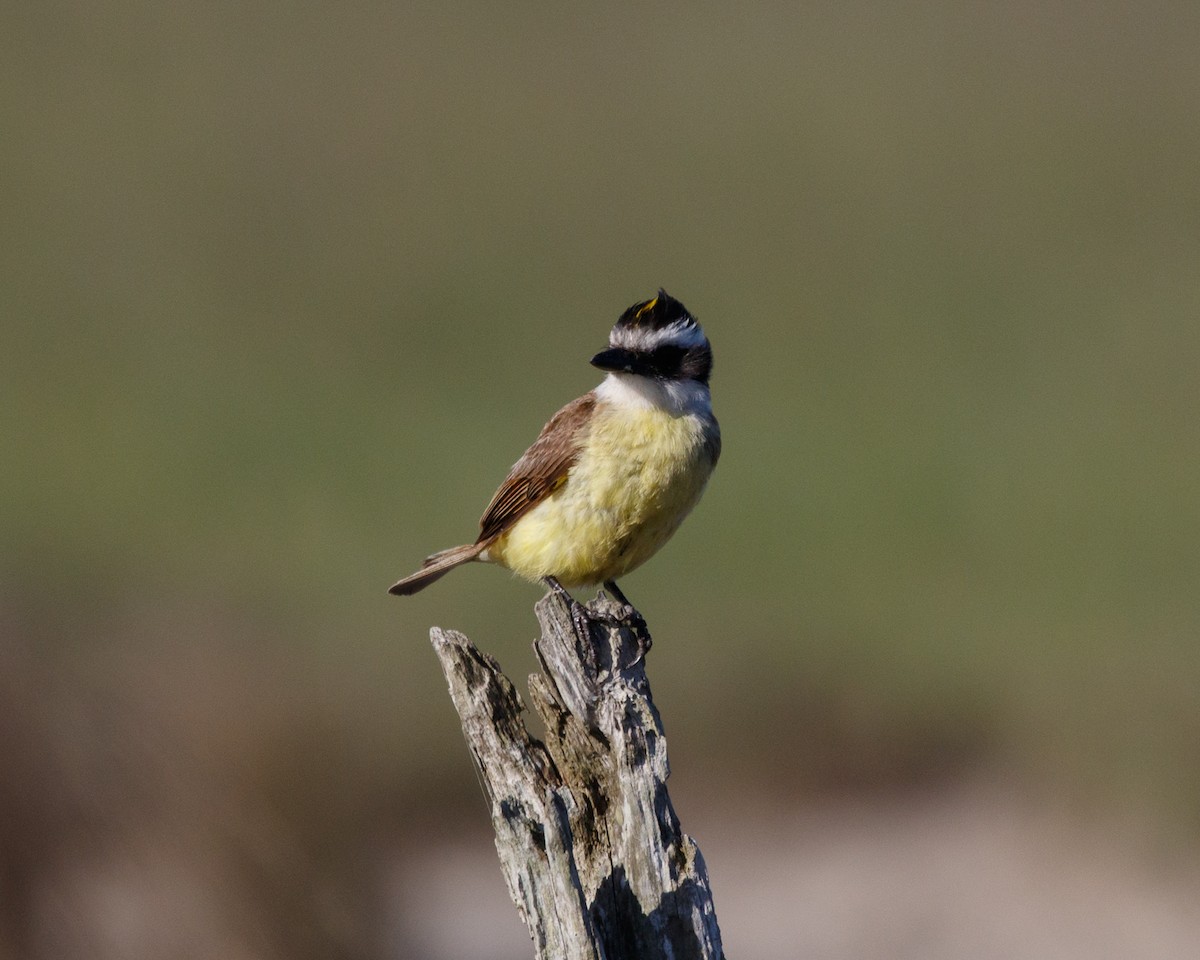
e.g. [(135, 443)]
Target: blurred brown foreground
[(200, 818)]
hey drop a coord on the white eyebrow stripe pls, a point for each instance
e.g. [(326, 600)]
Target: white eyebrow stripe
[(680, 333)]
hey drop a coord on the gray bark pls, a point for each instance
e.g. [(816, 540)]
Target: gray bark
[(589, 843)]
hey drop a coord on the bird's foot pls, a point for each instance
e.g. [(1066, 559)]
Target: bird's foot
[(628, 616), (581, 619)]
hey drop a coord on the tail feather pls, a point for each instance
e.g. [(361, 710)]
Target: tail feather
[(436, 567)]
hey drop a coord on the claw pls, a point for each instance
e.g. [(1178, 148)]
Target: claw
[(644, 643)]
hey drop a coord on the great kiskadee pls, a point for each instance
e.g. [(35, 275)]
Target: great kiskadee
[(613, 474)]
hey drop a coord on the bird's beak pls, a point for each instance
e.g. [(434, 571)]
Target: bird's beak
[(619, 360)]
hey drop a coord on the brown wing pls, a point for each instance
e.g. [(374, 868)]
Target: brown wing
[(542, 469)]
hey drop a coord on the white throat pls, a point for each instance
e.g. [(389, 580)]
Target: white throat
[(676, 397)]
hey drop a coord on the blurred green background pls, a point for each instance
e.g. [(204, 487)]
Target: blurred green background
[(287, 288)]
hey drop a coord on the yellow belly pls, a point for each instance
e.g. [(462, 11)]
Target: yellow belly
[(639, 474)]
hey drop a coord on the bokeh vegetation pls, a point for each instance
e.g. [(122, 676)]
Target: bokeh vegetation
[(288, 287)]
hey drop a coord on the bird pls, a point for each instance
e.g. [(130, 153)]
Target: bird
[(612, 474)]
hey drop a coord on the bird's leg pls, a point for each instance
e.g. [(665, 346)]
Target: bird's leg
[(617, 593), (629, 614), (580, 618), (633, 619)]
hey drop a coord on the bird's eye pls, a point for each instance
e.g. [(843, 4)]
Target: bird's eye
[(665, 359)]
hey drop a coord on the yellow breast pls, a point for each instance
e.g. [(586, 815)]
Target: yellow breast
[(640, 472)]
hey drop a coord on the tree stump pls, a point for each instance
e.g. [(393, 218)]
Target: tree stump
[(589, 843)]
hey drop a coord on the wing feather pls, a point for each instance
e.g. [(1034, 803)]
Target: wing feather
[(542, 469)]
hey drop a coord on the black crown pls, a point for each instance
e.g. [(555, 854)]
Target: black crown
[(655, 314)]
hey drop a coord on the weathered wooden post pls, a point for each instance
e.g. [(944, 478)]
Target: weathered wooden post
[(589, 843)]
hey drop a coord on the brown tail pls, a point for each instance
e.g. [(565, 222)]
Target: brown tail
[(436, 567)]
